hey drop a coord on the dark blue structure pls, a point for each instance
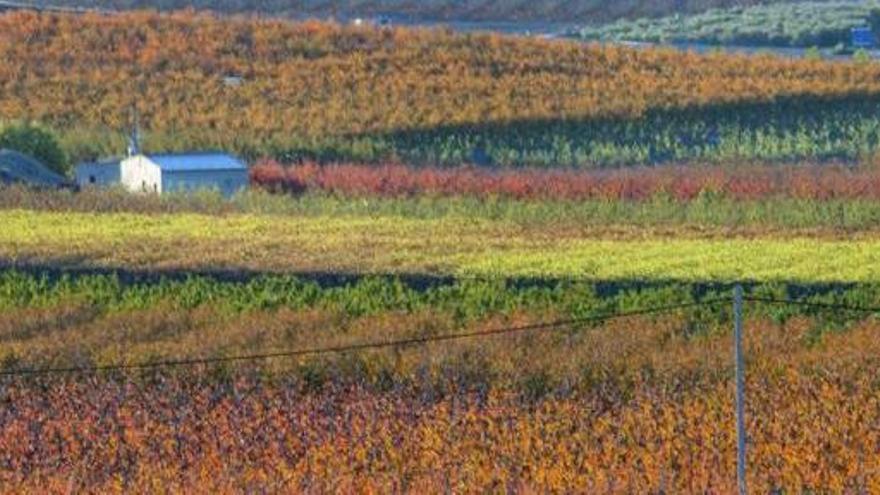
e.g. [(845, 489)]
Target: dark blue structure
[(19, 168), (863, 37)]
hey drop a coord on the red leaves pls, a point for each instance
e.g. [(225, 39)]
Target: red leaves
[(810, 182)]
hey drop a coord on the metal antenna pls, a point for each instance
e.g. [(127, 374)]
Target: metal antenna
[(134, 145)]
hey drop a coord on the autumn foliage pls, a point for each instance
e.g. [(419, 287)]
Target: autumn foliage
[(325, 90), (312, 78), (632, 404), (640, 404), (812, 421), (806, 182), (636, 404)]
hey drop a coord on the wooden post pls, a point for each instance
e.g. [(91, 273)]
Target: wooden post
[(740, 389)]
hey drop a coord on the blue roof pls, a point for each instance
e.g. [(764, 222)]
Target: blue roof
[(109, 163), (187, 162), (18, 167)]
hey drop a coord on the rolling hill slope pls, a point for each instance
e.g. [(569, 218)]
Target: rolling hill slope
[(324, 91)]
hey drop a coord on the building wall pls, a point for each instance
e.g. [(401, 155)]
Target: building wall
[(227, 182), (139, 174), (97, 174)]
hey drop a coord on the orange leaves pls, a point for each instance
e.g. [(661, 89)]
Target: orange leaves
[(316, 80), (812, 427), (805, 434)]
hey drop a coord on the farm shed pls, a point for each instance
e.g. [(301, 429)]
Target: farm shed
[(19, 168), (181, 172), (97, 174)]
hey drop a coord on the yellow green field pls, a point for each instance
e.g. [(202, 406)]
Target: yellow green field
[(451, 245)]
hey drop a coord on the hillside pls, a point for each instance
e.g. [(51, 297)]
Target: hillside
[(588, 11), (317, 90)]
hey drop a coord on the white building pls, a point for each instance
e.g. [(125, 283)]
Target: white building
[(183, 172), (168, 172)]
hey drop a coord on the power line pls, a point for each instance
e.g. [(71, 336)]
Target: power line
[(817, 305), (355, 347)]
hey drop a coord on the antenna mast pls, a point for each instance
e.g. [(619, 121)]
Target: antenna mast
[(134, 138)]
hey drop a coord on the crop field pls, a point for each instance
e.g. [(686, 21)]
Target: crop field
[(638, 403), (707, 214), (815, 183), (467, 263), (460, 342), (243, 437), (447, 246), (77, 320), (394, 329), (328, 92)]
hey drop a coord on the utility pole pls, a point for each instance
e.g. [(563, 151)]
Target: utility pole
[(740, 389)]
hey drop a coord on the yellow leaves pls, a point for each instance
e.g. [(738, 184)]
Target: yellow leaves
[(388, 243), (412, 78), (272, 439)]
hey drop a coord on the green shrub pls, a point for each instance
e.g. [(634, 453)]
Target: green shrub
[(38, 142), (862, 56), (799, 24)]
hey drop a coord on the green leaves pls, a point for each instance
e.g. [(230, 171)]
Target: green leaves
[(467, 299), (784, 24), (38, 142)]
